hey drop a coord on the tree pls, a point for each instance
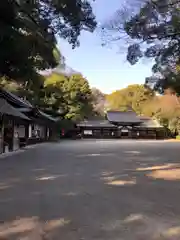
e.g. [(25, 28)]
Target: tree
[(58, 94), (154, 30), (133, 97), (98, 101), (34, 92), (166, 109), (78, 97), (29, 30), (71, 94)]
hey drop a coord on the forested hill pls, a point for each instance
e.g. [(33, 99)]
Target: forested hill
[(144, 101)]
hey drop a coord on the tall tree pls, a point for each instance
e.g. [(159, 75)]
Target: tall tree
[(134, 97), (29, 30), (71, 93), (154, 30), (58, 94), (98, 101)]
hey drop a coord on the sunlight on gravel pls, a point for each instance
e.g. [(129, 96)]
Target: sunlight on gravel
[(170, 174), (172, 232), (133, 152), (122, 182), (133, 217), (159, 167), (170, 171), (30, 228), (46, 178), (4, 186), (145, 227)]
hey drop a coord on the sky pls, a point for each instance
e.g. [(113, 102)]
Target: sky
[(105, 68)]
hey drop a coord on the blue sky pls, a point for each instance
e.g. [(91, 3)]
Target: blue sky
[(104, 68)]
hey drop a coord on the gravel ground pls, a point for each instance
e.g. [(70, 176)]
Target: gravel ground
[(87, 189)]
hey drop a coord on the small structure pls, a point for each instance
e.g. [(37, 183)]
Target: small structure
[(41, 128), (22, 123), (97, 129), (126, 123), (122, 125), (151, 128), (10, 118)]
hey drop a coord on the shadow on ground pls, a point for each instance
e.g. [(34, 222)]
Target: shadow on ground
[(93, 192)]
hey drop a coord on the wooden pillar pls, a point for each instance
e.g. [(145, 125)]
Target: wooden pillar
[(101, 133), (47, 133), (155, 134), (2, 135), (12, 140), (29, 130), (129, 134), (26, 131), (15, 137), (119, 133)]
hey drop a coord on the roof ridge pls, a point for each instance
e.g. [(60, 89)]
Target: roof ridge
[(118, 111), (14, 97)]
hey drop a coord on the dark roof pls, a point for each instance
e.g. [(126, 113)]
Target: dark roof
[(25, 110), (6, 108), (144, 118), (148, 122), (14, 100), (143, 122), (24, 105), (123, 117), (95, 123), (47, 116)]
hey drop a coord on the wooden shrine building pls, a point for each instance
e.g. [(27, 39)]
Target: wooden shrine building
[(122, 125), (21, 123)]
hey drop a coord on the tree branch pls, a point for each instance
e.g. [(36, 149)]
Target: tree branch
[(165, 5)]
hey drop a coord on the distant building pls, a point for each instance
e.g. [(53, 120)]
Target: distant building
[(21, 123), (122, 125)]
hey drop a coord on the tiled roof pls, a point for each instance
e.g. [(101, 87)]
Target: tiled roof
[(142, 121), (13, 99), (122, 117), (23, 105), (47, 116), (6, 108), (95, 123), (149, 122), (25, 110)]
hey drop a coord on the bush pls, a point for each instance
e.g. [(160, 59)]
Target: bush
[(178, 137)]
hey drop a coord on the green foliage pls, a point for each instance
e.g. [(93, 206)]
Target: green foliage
[(29, 30), (178, 137), (174, 125), (165, 109), (57, 94), (66, 124), (98, 101), (78, 98), (133, 97), (157, 25), (153, 31), (9, 85)]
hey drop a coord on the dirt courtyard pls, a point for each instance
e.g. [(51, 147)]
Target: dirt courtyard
[(88, 189)]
